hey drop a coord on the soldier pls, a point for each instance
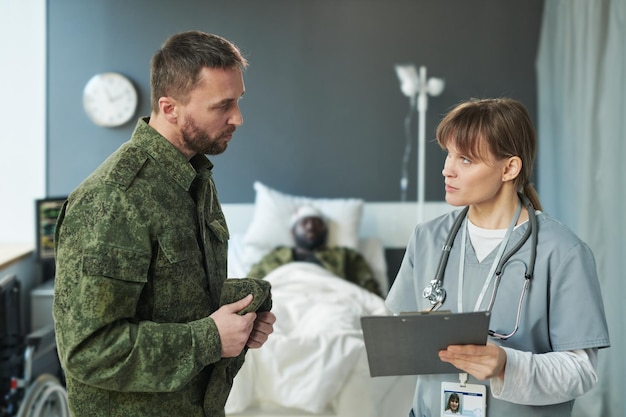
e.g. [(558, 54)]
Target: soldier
[(141, 249), (309, 229)]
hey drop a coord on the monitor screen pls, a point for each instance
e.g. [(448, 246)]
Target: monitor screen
[(47, 210)]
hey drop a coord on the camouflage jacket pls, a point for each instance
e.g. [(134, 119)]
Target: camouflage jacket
[(342, 262), (139, 268)]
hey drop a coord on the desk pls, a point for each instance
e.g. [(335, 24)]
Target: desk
[(14, 252)]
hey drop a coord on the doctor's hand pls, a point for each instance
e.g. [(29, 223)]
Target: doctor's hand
[(263, 327), (482, 362)]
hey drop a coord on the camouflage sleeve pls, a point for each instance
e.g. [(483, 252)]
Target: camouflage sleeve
[(358, 271), (103, 253), (277, 257)]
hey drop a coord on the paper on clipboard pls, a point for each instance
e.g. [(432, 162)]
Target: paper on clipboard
[(407, 344)]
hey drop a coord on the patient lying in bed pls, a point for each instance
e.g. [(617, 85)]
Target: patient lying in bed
[(315, 361), (310, 231), (316, 348)]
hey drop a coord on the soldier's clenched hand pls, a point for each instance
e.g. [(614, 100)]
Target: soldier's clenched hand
[(263, 327), (234, 329)]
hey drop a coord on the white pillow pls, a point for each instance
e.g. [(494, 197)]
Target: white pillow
[(272, 214)]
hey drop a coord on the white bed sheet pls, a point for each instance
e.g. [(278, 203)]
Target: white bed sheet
[(315, 363)]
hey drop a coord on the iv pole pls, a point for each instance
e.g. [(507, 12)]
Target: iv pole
[(413, 85), (422, 106)]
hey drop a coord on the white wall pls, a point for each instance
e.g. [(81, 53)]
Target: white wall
[(22, 116)]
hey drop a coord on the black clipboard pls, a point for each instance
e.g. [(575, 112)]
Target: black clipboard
[(407, 344)]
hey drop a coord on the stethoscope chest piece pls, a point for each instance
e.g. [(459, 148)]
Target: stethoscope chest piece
[(434, 292)]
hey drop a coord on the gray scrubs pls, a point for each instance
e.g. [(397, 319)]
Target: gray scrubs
[(563, 309)]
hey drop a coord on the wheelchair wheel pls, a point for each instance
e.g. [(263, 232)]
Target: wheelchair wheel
[(45, 397)]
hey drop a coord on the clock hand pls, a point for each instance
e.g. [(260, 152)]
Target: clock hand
[(108, 94)]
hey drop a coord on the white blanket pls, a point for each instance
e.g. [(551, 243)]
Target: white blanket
[(317, 341)]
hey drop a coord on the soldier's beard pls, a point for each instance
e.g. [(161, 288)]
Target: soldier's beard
[(201, 142), (310, 244)]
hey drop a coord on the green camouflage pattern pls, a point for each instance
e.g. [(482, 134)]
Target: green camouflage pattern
[(139, 269), (225, 370), (340, 261), (234, 289)]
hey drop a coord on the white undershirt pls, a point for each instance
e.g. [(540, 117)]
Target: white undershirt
[(484, 241), (533, 378)]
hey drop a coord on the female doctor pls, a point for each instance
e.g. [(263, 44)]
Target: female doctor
[(547, 315)]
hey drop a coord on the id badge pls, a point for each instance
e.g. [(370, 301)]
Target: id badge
[(463, 400)]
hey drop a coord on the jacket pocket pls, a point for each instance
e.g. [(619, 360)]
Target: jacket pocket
[(179, 283), (112, 262)]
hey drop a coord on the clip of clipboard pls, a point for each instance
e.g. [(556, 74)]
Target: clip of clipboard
[(407, 344)]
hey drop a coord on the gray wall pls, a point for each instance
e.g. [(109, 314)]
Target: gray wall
[(323, 109)]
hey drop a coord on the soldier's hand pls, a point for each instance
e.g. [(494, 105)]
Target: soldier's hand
[(263, 327), (234, 329)]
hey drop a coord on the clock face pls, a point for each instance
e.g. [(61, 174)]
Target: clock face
[(109, 99)]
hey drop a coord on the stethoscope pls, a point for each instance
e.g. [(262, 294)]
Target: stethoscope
[(436, 294)]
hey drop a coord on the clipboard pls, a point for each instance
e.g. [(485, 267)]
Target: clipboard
[(407, 344)]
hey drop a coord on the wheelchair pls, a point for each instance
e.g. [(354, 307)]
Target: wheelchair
[(31, 380)]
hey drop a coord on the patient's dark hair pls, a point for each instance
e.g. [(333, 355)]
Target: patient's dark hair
[(176, 66), (501, 126)]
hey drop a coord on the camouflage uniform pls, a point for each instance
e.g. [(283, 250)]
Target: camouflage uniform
[(139, 268), (342, 262)]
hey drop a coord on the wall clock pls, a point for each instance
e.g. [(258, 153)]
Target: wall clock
[(109, 99)]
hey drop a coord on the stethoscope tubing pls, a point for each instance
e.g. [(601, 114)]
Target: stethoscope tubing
[(437, 283)]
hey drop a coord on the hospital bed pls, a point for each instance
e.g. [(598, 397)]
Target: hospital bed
[(315, 363)]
